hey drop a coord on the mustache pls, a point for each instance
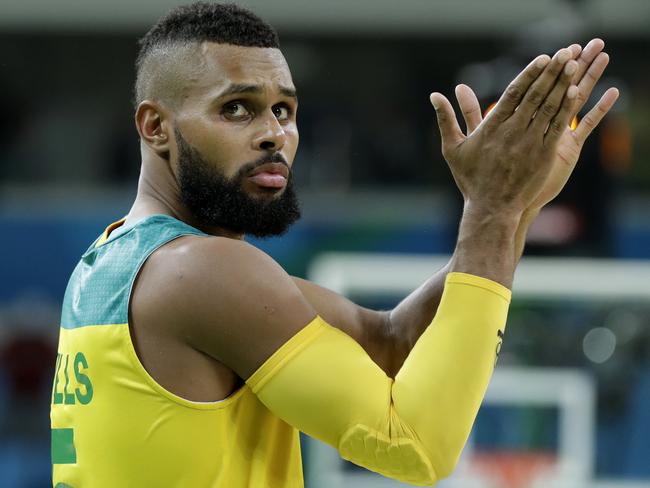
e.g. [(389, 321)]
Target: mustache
[(267, 158)]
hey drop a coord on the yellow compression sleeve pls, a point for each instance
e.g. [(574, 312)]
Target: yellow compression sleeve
[(412, 428)]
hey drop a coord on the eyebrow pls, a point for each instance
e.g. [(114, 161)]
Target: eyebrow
[(238, 88)]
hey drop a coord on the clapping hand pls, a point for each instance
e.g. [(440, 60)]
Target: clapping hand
[(566, 143)]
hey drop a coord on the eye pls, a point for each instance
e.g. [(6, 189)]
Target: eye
[(281, 112), (235, 110)]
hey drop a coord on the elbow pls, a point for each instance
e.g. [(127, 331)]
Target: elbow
[(402, 459)]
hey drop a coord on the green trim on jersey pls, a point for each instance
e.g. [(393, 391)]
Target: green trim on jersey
[(106, 272)]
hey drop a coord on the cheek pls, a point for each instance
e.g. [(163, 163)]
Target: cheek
[(223, 146), (293, 138)]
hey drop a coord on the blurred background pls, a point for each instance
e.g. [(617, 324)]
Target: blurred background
[(374, 187)]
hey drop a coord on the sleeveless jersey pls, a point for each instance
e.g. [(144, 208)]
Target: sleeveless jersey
[(114, 425)]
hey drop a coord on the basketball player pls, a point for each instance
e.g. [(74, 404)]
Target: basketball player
[(189, 358)]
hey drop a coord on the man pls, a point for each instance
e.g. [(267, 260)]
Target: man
[(189, 358)]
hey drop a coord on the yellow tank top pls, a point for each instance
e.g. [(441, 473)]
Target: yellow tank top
[(114, 426)]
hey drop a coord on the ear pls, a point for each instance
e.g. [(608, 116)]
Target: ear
[(152, 122)]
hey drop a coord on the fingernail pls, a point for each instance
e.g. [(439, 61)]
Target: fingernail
[(434, 101), (542, 61), (572, 91), (570, 68)]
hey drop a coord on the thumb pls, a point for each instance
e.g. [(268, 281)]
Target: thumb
[(450, 131), (469, 106)]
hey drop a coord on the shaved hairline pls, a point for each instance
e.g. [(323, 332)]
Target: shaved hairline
[(166, 71)]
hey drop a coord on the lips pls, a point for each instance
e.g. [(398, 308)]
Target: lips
[(270, 175)]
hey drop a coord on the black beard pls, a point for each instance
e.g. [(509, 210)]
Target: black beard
[(216, 200)]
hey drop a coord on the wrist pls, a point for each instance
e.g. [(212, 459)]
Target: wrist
[(527, 218), (486, 243), (501, 219), (529, 215)]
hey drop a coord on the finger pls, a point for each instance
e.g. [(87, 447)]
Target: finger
[(575, 49), (590, 121), (589, 53), (447, 122), (560, 122), (515, 91), (538, 91), (553, 105), (590, 78), (469, 106)]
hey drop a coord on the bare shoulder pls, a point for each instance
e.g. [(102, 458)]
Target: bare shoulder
[(222, 296), (211, 258)]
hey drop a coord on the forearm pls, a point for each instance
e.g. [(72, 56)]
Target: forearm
[(412, 428), (408, 320), (483, 249)]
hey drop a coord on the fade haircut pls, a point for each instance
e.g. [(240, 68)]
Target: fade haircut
[(168, 52)]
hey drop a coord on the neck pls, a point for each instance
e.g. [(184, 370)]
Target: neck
[(159, 193)]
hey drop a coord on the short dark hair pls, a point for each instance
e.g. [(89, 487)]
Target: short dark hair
[(196, 23)]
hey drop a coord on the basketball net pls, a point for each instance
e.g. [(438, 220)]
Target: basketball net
[(513, 469)]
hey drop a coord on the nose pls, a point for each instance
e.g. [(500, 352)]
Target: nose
[(271, 136)]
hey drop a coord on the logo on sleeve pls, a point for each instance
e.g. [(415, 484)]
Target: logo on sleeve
[(498, 348)]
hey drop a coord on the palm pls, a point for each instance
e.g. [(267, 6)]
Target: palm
[(566, 158)]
